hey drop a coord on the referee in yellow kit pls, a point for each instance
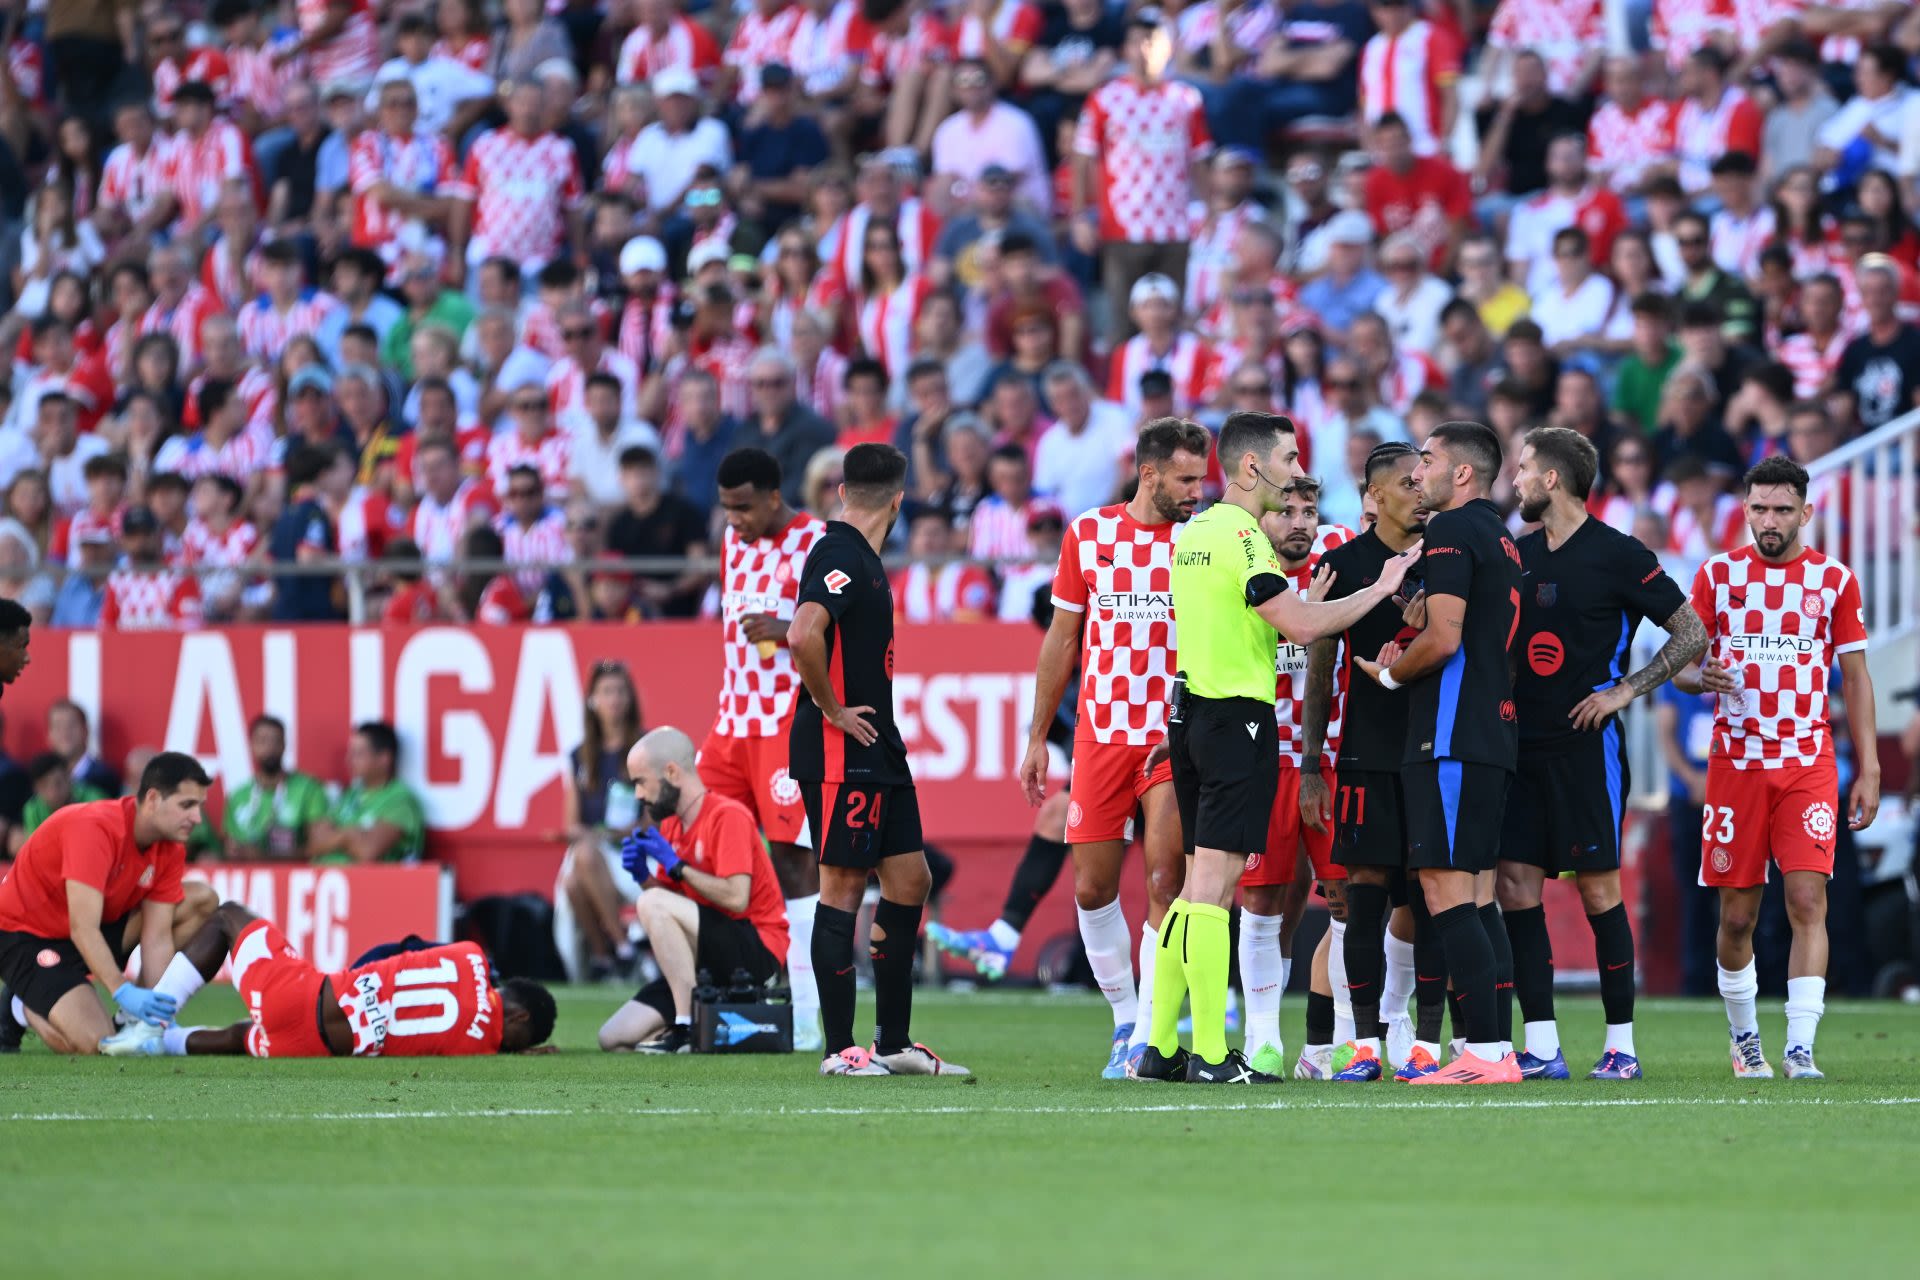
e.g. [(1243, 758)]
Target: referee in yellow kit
[(1229, 596)]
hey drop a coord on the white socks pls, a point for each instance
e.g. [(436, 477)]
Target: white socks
[(1143, 1016), (806, 992), (1488, 1052), (1397, 987), (1262, 976), (1806, 1001), (1110, 954), (1004, 935), (1620, 1038), (173, 1041), (1543, 1038), (180, 981), (1740, 988), (1337, 978)]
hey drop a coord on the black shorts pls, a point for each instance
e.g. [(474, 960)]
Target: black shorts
[(858, 826), (1369, 819), (42, 970), (1225, 755), (1567, 803), (723, 946), (1453, 814)]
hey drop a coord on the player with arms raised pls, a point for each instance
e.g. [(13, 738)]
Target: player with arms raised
[(437, 1002), (1587, 588), (763, 553), (1777, 616)]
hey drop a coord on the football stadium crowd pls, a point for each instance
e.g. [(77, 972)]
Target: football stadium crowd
[(369, 280)]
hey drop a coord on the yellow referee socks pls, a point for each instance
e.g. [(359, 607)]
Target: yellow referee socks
[(1170, 979), (1207, 951)]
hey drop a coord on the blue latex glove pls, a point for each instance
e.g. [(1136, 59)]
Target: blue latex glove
[(646, 853), (148, 1006)]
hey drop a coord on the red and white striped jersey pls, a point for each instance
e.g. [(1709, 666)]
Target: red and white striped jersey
[(1615, 510), (728, 360), (233, 282), (438, 527), (474, 53), (1290, 669), (150, 600), (502, 604), (1752, 19), (1409, 74), (1692, 539), (259, 81), (1193, 365), (265, 330), (1701, 136), (917, 223), (758, 41), (567, 387), (28, 70), (131, 182), (1015, 25), (1410, 373), (820, 52), (1596, 210), (1118, 573), (1812, 361), (686, 44), (542, 543), (420, 164), (368, 522), (521, 189), (206, 65), (1562, 32), (201, 545), (255, 389), (549, 455), (760, 577), (1738, 242), (927, 42), (997, 530), (822, 387), (68, 535), (1210, 256), (1682, 27), (1779, 629), (1144, 140), (886, 322), (238, 458), (1622, 146), (353, 54), (646, 329), (205, 165), (929, 593), (181, 321)]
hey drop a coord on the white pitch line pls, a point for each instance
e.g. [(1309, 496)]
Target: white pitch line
[(1539, 1104)]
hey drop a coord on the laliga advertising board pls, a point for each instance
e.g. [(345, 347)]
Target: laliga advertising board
[(486, 716)]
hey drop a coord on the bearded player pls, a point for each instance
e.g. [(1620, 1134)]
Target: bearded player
[(744, 757), (1777, 616), (439, 1002)]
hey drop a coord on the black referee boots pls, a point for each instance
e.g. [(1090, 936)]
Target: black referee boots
[(1154, 1065), (1233, 1070)]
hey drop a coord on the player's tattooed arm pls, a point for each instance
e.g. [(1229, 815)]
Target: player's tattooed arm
[(1315, 805), (1686, 641)]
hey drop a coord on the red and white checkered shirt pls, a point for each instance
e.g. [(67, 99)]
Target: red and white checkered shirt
[(918, 225), (760, 577), (353, 54), (758, 41), (182, 322), (521, 189), (1682, 27), (420, 164), (265, 330), (132, 182), (1406, 74), (1812, 364), (1754, 18), (1193, 365), (1144, 139), (205, 165), (192, 456), (567, 387), (1015, 24), (1290, 667), (927, 42), (1778, 628), (1562, 32), (1701, 136), (820, 50), (549, 455), (201, 545), (936, 593), (1621, 147), (150, 600), (1693, 539), (543, 543), (885, 322), (437, 528), (1119, 574), (686, 44)]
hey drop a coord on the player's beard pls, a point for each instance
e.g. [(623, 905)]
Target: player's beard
[(1772, 544), (1169, 508), (1532, 509), (1295, 552)]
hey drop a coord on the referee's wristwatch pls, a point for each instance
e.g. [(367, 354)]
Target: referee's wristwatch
[(677, 872)]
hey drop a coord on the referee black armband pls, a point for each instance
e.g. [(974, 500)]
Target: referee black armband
[(1263, 588)]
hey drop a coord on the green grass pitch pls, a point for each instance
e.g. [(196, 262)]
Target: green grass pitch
[(585, 1164)]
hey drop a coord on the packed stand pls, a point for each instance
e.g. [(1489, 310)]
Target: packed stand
[(414, 285)]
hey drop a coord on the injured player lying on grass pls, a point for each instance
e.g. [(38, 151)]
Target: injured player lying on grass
[(436, 1001)]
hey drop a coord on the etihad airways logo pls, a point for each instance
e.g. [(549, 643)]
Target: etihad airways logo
[(1773, 650), (1135, 606)]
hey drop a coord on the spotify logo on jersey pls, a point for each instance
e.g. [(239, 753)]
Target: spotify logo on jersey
[(1545, 653)]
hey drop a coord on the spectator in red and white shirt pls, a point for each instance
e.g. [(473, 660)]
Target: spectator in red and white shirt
[(1743, 226), (532, 442), (520, 193), (1410, 68), (886, 300), (137, 180), (397, 175), (1631, 136), (997, 529), (905, 78), (1713, 118), (218, 536), (1161, 345), (1138, 146), (665, 38), (1681, 28), (449, 503), (998, 33), (762, 37), (339, 39), (925, 591), (1569, 35), (289, 308), (144, 594), (1421, 195), (586, 354), (212, 154), (881, 198), (1814, 353), (180, 307), (532, 532), (1570, 200), (228, 445), (262, 65)]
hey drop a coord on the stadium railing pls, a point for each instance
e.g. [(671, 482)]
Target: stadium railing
[(1867, 511)]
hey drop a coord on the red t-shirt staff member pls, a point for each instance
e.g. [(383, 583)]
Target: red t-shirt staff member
[(713, 901), (92, 883)]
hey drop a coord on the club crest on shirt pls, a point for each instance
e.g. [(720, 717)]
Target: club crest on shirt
[(784, 789), (1818, 820), (1546, 594), (1722, 860), (837, 582), (1813, 604)]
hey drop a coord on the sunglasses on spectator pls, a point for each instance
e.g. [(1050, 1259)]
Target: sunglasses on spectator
[(518, 491), (575, 335), (529, 406), (771, 383), (1343, 384), (1691, 242), (1252, 388)]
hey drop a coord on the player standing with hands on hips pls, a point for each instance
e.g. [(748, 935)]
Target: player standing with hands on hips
[(1462, 738), (1777, 616), (851, 763), (1230, 602)]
